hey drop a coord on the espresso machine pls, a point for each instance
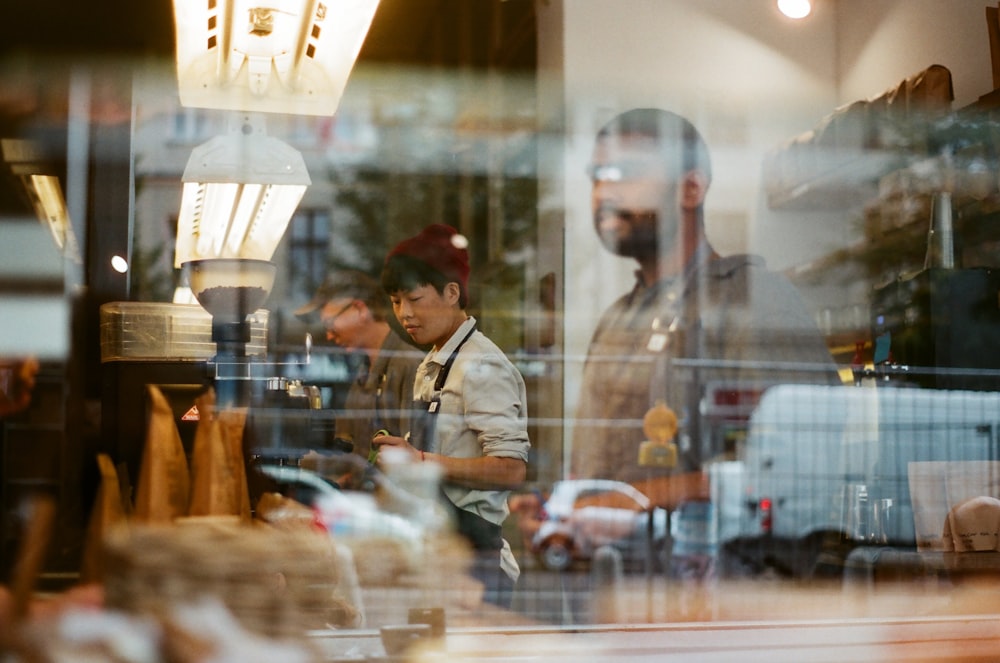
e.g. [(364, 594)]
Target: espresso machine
[(221, 343), (284, 419)]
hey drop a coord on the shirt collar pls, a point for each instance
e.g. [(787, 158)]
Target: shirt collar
[(441, 356)]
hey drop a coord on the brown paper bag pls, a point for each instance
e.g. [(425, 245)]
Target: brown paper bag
[(938, 487), (973, 525), (108, 513), (216, 471), (232, 423), (164, 484)]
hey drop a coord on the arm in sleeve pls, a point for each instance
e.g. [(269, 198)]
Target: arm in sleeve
[(495, 411)]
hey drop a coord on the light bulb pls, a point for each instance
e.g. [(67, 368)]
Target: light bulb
[(119, 264), (795, 8)]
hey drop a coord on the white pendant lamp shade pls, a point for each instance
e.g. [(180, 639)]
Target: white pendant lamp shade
[(239, 193)]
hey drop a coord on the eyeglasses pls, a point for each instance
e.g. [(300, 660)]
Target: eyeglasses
[(328, 322), (629, 169)]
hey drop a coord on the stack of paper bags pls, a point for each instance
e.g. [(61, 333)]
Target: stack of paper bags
[(169, 488)]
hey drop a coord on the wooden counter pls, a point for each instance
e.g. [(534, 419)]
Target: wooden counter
[(971, 638), (770, 622)]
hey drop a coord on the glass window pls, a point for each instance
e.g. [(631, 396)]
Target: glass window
[(308, 244), (733, 273)]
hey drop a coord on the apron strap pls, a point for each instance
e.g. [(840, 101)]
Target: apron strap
[(424, 419), (443, 373)]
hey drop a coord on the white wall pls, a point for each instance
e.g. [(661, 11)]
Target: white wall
[(745, 75), (881, 42)]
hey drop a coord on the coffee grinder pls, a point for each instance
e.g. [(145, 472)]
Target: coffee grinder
[(230, 289), (285, 419)]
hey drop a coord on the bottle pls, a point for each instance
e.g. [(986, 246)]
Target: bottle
[(373, 452), (940, 235)]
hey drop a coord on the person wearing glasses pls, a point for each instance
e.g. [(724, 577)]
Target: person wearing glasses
[(353, 309), (693, 318)]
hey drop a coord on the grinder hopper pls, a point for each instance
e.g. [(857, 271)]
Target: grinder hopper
[(230, 289)]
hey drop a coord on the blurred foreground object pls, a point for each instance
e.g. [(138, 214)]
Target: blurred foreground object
[(17, 381), (277, 583), (40, 513)]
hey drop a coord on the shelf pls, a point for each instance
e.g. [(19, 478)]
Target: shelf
[(831, 179)]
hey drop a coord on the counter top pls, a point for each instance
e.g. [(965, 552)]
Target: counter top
[(966, 638)]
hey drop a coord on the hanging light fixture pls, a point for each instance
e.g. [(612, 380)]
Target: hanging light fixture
[(239, 193), (279, 56), (285, 56), (41, 184)]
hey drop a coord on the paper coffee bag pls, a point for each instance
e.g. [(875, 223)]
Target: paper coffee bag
[(215, 477), (164, 484)]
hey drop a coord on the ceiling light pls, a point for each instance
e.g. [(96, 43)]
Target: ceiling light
[(119, 264), (50, 206), (795, 8), (41, 185), (239, 193), (285, 56)]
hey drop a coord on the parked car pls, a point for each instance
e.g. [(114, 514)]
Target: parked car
[(581, 515), (301, 485)]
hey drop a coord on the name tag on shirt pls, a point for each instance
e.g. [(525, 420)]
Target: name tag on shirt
[(657, 342)]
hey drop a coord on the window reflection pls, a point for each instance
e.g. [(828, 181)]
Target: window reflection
[(854, 152)]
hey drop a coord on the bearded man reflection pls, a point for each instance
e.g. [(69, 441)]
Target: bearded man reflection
[(693, 318)]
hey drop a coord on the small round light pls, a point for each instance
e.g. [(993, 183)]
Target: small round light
[(795, 8), (119, 264)]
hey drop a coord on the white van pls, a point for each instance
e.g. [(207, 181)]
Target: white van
[(825, 469)]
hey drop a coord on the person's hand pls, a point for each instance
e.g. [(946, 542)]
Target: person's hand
[(17, 381), (394, 446)]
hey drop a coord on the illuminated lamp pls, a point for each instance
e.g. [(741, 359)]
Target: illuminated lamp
[(285, 56), (239, 193), (795, 9), (44, 192)]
